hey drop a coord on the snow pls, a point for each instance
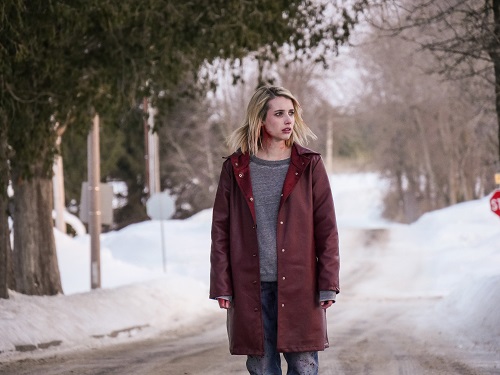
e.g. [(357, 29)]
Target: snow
[(452, 255), (73, 221)]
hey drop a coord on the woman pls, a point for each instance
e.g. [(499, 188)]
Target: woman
[(274, 256)]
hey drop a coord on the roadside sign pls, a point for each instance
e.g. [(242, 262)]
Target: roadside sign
[(106, 203), (495, 202), (160, 206)]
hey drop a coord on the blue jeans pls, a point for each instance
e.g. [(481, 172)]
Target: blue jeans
[(305, 363)]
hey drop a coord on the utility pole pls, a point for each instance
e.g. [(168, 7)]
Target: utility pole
[(94, 218), (329, 145), (154, 154)]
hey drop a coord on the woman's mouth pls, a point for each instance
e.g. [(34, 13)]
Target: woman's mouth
[(287, 130)]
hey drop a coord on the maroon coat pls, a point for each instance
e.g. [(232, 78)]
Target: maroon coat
[(308, 254)]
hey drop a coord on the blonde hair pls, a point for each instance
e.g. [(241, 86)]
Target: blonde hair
[(248, 137)]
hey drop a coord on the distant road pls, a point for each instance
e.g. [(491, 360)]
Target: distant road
[(370, 334)]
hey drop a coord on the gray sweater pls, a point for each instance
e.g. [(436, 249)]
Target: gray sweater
[(267, 183)]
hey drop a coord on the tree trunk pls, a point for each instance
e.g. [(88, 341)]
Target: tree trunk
[(7, 280), (6, 269), (35, 257), (449, 148), (431, 179)]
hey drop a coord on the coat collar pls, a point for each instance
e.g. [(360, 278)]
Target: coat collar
[(299, 155), (300, 159)]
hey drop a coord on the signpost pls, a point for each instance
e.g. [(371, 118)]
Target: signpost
[(495, 202), (161, 206)]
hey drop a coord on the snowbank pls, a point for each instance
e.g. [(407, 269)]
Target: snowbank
[(98, 317)]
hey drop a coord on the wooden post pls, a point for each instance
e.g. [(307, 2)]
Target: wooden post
[(329, 145), (153, 154), (94, 176)]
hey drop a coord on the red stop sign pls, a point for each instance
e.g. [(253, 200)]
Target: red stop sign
[(495, 202)]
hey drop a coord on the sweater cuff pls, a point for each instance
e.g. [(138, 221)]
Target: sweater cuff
[(327, 295)]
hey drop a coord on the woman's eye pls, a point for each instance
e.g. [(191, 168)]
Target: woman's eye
[(291, 113)]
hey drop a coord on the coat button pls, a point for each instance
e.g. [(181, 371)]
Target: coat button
[(284, 278), (254, 282), (240, 175), (282, 250), (282, 305), (254, 255), (296, 173), (235, 164), (256, 309), (281, 222), (251, 199)]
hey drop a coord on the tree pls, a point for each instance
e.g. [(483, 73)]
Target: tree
[(431, 138), (463, 35), (62, 61), (29, 44)]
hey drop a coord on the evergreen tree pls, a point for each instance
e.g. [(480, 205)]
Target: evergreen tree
[(61, 61)]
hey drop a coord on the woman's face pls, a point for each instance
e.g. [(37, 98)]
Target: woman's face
[(280, 119)]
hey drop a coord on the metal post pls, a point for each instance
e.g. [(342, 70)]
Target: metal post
[(94, 174)]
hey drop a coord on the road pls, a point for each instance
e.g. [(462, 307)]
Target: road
[(370, 333), (380, 341)]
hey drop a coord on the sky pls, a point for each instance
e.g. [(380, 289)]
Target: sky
[(453, 254)]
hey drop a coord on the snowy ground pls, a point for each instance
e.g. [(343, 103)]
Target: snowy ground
[(451, 256)]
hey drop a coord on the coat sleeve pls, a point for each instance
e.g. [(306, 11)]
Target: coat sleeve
[(325, 230), (220, 264)]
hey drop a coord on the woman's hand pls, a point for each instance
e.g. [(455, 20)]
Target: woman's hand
[(326, 304), (224, 303)]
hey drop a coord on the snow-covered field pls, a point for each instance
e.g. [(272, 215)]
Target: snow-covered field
[(451, 254)]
